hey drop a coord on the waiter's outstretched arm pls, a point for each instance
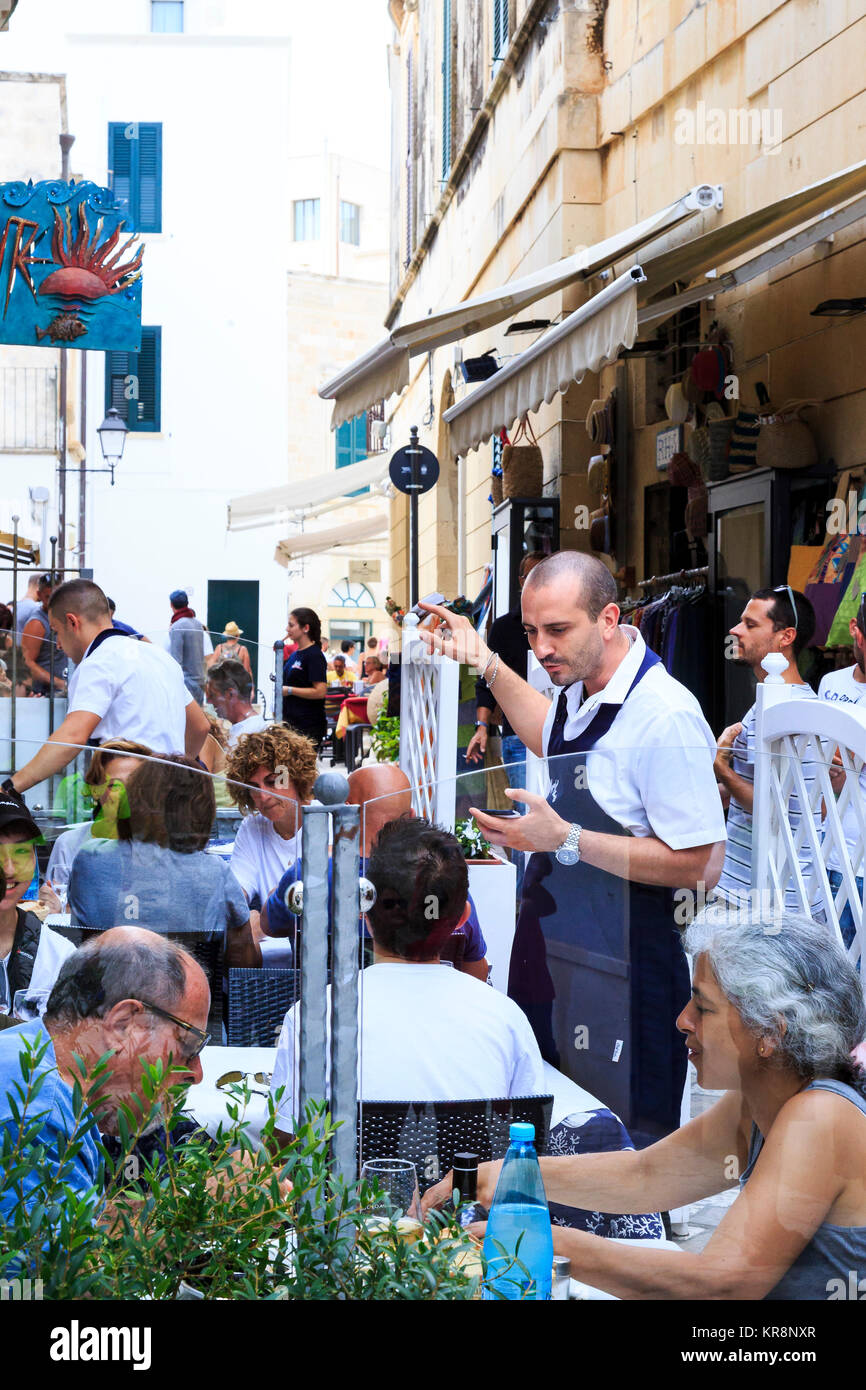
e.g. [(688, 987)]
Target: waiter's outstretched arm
[(54, 755), (639, 858), (524, 708)]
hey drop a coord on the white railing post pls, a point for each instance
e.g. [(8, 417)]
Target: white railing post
[(771, 691), (429, 695)]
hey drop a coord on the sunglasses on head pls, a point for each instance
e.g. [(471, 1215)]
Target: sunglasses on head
[(786, 589)]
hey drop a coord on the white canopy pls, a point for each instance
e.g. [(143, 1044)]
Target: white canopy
[(582, 343), (266, 507), (335, 538), (384, 369)]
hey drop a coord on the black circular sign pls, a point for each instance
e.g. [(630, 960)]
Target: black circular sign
[(414, 469)]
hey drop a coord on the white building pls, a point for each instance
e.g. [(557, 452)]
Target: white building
[(187, 108)]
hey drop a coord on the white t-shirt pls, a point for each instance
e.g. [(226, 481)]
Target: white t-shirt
[(735, 881), (136, 689), (50, 955), (653, 770), (251, 725), (64, 850), (260, 856), (841, 688), (426, 1033)]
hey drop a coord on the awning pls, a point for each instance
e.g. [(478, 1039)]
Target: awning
[(336, 538), (735, 238), (265, 508), (28, 551), (825, 226), (582, 343), (384, 369)]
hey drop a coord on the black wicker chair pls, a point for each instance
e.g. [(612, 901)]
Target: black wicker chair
[(429, 1133), (258, 1002)]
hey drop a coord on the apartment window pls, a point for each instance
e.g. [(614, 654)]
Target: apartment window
[(350, 594), (447, 88), (350, 223), (307, 220), (410, 159), (135, 172), (166, 16), (133, 383), (351, 446), (500, 29)]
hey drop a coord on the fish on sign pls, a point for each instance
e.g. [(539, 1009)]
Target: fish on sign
[(68, 275)]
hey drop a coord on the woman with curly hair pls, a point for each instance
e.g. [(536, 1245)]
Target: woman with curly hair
[(270, 777)]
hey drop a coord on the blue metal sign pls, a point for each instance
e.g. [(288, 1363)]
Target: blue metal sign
[(68, 276)]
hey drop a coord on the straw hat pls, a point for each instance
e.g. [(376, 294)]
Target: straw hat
[(676, 405), (232, 630)]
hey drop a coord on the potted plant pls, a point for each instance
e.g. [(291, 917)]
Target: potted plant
[(476, 850)]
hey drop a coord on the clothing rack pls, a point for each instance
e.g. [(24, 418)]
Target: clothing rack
[(679, 577)]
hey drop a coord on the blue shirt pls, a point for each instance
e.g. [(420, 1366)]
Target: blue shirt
[(53, 1105), (282, 923)]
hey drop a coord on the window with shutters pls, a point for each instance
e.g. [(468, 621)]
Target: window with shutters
[(133, 383), (500, 29), (135, 172), (350, 223), (166, 16), (351, 444), (447, 88), (306, 219)]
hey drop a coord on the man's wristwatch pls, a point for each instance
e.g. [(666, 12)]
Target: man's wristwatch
[(569, 850), (9, 786)]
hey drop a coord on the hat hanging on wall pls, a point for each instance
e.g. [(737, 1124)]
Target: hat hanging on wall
[(676, 405)]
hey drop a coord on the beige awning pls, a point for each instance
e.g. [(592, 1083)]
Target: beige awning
[(334, 539), (28, 551), (384, 370), (269, 506), (583, 342), (732, 239)]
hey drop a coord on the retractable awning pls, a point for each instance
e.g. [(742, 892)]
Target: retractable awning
[(689, 259), (335, 538), (583, 342), (820, 230), (384, 369), (268, 506)]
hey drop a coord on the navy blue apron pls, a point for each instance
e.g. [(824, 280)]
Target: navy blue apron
[(597, 964)]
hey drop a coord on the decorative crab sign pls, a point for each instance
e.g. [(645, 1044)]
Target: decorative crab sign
[(67, 277)]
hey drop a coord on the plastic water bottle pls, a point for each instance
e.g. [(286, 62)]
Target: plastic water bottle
[(519, 1213)]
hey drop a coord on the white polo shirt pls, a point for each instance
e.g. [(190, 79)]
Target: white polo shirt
[(653, 769), (136, 689), (253, 724)]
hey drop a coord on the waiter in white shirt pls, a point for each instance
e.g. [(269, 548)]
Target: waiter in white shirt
[(632, 813), (121, 688)]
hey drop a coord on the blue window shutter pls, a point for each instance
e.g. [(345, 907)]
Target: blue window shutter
[(344, 444), (120, 169), (500, 28), (133, 383), (150, 177), (447, 71), (351, 445), (135, 172), (359, 438)]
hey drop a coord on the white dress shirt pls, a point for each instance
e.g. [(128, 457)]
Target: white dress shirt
[(652, 771)]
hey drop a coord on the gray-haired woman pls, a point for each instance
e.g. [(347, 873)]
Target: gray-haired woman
[(775, 1013)]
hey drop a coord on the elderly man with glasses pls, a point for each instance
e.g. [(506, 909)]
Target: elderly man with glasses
[(130, 997), (774, 620)]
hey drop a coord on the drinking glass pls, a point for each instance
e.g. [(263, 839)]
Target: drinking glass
[(399, 1199)]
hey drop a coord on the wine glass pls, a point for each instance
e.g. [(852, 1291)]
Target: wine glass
[(399, 1199)]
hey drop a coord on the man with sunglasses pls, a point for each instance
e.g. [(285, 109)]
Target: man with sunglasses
[(129, 996), (847, 687), (774, 620)]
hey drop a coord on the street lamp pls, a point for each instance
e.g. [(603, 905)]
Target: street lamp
[(112, 437)]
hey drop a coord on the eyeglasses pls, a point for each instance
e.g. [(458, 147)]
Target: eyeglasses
[(786, 589), (187, 1027)]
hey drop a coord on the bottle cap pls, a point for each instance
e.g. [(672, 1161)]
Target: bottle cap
[(521, 1132), (464, 1161), (561, 1267)]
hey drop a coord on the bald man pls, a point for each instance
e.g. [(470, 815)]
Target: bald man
[(130, 996), (632, 813)]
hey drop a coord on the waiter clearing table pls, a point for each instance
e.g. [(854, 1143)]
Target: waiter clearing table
[(633, 812)]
